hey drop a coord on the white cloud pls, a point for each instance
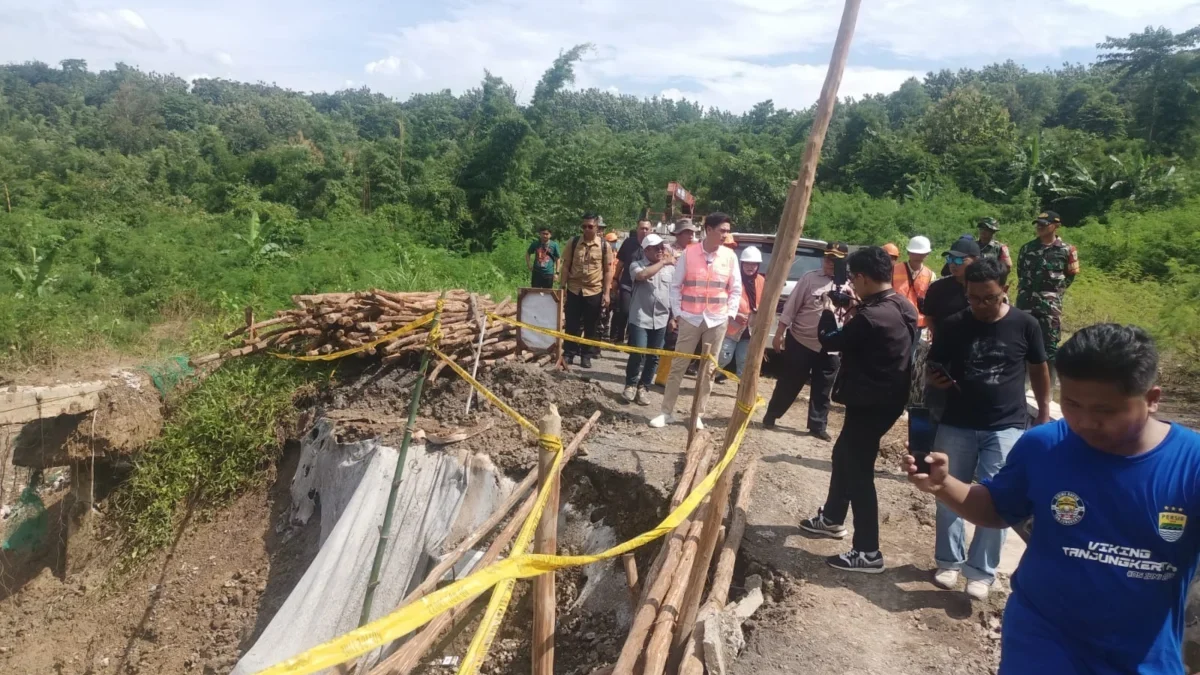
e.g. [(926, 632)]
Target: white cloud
[(727, 53)]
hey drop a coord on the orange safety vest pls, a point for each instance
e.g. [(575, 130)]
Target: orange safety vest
[(706, 287), (740, 322), (914, 291)]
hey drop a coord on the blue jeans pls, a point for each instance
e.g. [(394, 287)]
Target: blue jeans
[(643, 365), (731, 348), (973, 454)]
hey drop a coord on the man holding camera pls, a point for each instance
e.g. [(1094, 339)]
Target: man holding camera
[(797, 342), (980, 357), (876, 344)]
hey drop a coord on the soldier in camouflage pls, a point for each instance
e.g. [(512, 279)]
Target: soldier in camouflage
[(1046, 267), (989, 247)]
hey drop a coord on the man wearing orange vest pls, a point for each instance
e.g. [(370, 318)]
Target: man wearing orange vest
[(911, 279), (706, 292)]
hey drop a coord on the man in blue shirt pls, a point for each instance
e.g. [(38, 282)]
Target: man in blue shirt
[(1115, 497)]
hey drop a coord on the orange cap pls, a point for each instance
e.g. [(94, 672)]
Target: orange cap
[(892, 249), (729, 241), (610, 237)]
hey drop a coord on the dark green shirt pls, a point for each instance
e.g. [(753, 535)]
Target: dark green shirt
[(545, 257)]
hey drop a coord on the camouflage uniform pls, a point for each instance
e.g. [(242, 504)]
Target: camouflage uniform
[(1044, 273), (996, 251)]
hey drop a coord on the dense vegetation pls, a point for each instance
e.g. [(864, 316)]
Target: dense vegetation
[(131, 198)]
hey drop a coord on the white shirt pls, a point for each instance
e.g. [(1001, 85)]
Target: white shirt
[(708, 318)]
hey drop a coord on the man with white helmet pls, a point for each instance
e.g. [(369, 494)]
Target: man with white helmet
[(737, 336), (912, 278)]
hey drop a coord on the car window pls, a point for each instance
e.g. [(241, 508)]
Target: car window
[(806, 260)]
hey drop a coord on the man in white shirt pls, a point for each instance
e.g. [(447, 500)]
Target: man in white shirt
[(705, 293)]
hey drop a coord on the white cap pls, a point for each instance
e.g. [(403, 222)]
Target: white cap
[(651, 240), (919, 245), (752, 255)]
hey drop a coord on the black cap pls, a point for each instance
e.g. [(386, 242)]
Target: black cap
[(966, 247), (1047, 218), (836, 249), (989, 223)]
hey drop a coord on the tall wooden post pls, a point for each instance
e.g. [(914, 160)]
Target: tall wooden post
[(546, 541), (791, 227)]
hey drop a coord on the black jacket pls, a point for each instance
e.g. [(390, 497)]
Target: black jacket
[(876, 346)]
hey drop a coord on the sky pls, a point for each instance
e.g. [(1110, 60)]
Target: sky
[(728, 54)]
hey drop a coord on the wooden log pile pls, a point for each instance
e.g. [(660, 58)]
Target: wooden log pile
[(333, 322)]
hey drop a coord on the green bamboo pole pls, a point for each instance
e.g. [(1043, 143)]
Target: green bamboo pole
[(435, 328)]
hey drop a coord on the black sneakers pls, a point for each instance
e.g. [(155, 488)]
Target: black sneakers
[(821, 525), (585, 362), (822, 434), (857, 561)]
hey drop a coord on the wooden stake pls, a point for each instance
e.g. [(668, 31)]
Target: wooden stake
[(702, 384), (546, 541), (791, 227), (631, 577), (693, 472), (658, 649)]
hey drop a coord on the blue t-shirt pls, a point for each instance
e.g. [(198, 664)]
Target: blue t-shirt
[(1102, 586)]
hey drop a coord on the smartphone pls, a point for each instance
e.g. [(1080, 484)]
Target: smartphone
[(942, 370), (921, 432)]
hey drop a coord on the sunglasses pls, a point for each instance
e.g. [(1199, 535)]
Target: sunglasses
[(955, 259), (589, 227)]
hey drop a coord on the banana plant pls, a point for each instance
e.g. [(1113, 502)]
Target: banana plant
[(35, 279)]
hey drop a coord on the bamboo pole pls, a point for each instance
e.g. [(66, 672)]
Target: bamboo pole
[(481, 319), (791, 227), (408, 657), (384, 532), (702, 376), (658, 582), (658, 649), (546, 541), (692, 659), (629, 562)]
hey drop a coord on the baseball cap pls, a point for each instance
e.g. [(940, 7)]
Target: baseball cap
[(836, 249), (686, 224), (652, 240), (966, 247), (610, 237), (1047, 218), (990, 224), (919, 245), (891, 249), (729, 241)]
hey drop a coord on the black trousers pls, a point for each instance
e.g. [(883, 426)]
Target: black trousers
[(582, 318), (852, 484), (620, 318), (802, 365), (541, 280)]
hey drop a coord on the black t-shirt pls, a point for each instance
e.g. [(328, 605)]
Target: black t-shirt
[(945, 298), (630, 250), (987, 360)]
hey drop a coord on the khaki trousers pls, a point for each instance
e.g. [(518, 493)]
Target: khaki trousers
[(689, 338)]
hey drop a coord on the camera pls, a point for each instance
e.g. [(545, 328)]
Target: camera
[(838, 296)]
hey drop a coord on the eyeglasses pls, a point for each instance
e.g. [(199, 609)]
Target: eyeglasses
[(986, 301), (955, 259), (1040, 224)]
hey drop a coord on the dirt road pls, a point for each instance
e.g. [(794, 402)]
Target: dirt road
[(820, 620)]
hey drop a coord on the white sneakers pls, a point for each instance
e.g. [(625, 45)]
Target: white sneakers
[(978, 590), (662, 421), (665, 419), (948, 579), (629, 394)]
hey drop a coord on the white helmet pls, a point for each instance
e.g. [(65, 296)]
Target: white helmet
[(752, 255), (919, 245)]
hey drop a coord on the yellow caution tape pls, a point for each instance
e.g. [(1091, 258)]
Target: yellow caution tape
[(521, 566), (483, 391), (403, 330), (617, 348), (497, 607)]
